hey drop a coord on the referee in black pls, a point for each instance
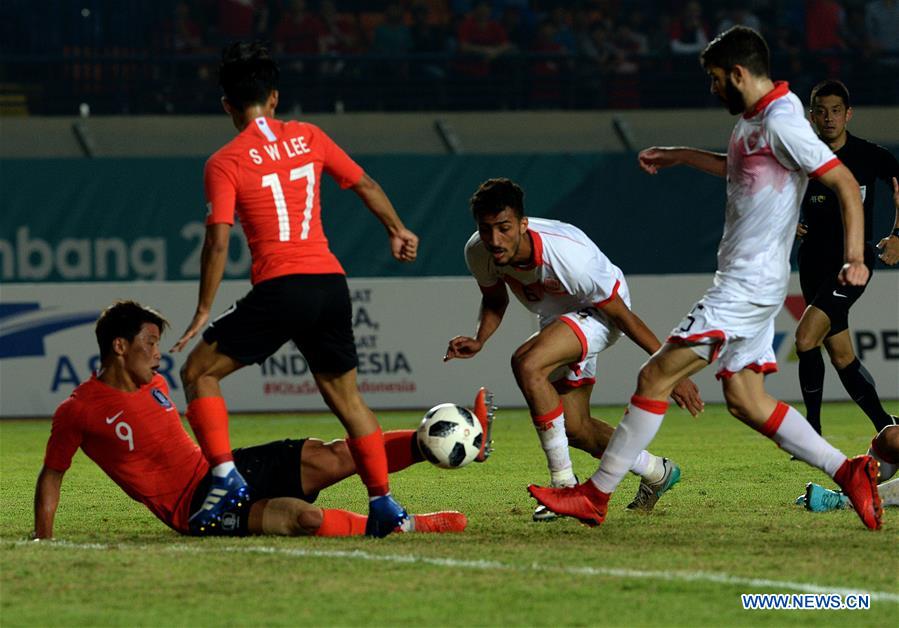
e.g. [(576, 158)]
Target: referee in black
[(826, 319)]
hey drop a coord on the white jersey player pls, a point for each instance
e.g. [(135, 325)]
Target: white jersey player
[(771, 154), (583, 302)]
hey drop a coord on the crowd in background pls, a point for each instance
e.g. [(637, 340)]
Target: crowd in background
[(412, 54)]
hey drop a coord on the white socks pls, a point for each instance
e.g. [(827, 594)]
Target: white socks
[(638, 427), (648, 467), (792, 432), (222, 469), (551, 430)]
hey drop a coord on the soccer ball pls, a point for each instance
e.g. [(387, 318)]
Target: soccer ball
[(449, 436)]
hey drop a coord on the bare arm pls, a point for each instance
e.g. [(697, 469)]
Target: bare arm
[(653, 159), (685, 394), (494, 301), (841, 181), (46, 500), (212, 269), (403, 243)]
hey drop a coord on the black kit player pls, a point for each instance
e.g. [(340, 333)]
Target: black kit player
[(269, 176), (826, 317)]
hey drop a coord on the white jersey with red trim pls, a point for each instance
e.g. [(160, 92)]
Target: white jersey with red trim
[(772, 153), (567, 272)]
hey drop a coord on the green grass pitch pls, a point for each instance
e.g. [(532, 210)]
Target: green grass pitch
[(729, 527)]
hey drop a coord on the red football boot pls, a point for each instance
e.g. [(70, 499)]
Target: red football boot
[(584, 502), (485, 411), (858, 479), (444, 521)]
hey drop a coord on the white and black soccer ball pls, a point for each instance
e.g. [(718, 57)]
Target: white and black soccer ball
[(449, 436)]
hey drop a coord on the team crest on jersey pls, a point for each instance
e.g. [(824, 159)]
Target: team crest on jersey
[(160, 398), (753, 140)]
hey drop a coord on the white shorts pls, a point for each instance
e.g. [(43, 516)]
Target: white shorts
[(739, 334), (596, 335)]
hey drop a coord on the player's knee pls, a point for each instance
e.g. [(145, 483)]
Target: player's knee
[(525, 367), (841, 359), (887, 441), (737, 405), (308, 521), (648, 380), (805, 341), (343, 458)]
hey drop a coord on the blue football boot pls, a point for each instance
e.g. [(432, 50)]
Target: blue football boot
[(225, 494), (820, 499), (385, 516)]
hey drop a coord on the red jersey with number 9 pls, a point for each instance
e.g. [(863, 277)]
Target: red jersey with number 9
[(137, 438), (270, 174)]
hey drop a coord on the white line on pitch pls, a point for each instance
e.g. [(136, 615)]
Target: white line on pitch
[(490, 565)]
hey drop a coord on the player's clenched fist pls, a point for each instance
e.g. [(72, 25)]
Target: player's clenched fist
[(462, 347), (651, 159), (404, 245)]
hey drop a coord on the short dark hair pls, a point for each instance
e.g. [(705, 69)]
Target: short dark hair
[(738, 45), (247, 74), (830, 87), (495, 195), (124, 319)]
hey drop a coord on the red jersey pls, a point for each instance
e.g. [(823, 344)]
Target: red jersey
[(137, 439), (270, 174)]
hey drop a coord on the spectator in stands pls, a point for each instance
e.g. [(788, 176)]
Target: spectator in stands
[(689, 34), (737, 13), (241, 19), (186, 35), (548, 67), (517, 28), (393, 37), (483, 39), (427, 39), (882, 22), (299, 30), (341, 36), (561, 19)]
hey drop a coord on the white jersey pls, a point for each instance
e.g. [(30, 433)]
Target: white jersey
[(772, 152), (568, 272)]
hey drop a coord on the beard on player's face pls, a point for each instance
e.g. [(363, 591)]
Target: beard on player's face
[(732, 98)]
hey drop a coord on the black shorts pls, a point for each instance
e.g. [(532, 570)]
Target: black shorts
[(830, 297), (312, 310), (820, 288), (271, 470)]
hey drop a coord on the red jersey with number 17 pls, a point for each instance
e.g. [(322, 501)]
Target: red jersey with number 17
[(270, 175), (137, 439)]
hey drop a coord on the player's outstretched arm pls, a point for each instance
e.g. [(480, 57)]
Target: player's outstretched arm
[(653, 159), (212, 269), (494, 300), (889, 246), (46, 500), (685, 394), (841, 181), (403, 243)]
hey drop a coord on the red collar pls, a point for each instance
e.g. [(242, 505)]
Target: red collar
[(781, 88), (536, 252)]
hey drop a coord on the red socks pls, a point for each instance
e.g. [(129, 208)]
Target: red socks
[(208, 417), (402, 449), (341, 523), (371, 462)]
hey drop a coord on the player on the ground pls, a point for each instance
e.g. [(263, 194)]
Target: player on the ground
[(124, 420), (826, 317), (885, 450), (771, 154), (583, 302), (269, 176)]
